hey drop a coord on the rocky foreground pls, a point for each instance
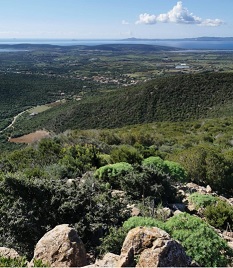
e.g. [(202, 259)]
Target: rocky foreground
[(142, 247)]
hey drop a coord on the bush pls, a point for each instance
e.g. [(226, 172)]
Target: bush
[(126, 153), (13, 262), (31, 207), (176, 171), (200, 241), (172, 169), (154, 162), (201, 200), (142, 221), (219, 214), (113, 172), (113, 241)]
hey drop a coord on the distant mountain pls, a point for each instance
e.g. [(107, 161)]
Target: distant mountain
[(131, 47), (204, 38), (108, 47)]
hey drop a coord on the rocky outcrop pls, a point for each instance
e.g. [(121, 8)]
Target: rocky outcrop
[(147, 247), (151, 247), (61, 247), (8, 253), (109, 260)]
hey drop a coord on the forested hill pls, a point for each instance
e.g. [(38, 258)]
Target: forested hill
[(175, 98)]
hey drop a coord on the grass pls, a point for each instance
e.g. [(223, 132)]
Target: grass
[(39, 109)]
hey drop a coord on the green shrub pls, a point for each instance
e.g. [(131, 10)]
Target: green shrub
[(142, 221), (176, 171), (169, 168), (13, 262), (111, 173), (200, 241), (39, 263), (126, 153), (113, 241), (219, 214), (201, 200), (154, 162)]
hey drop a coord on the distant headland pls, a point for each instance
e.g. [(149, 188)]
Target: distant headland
[(204, 38)]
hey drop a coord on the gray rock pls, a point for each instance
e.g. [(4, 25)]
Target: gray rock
[(152, 247), (9, 253), (61, 247)]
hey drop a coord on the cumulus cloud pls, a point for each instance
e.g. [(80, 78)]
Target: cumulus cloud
[(209, 22), (178, 14)]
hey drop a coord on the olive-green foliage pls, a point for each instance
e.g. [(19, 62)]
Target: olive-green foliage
[(200, 241), (205, 165), (77, 159), (126, 153), (170, 168), (113, 241), (112, 173), (13, 262), (175, 171), (142, 221), (219, 215), (146, 182), (20, 262), (154, 162), (153, 101), (202, 200), (40, 263), (29, 207)]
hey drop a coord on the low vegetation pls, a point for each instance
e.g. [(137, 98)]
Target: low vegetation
[(114, 146)]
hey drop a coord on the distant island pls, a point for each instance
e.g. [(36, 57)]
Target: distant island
[(204, 38)]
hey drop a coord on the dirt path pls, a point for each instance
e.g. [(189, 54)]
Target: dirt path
[(14, 119)]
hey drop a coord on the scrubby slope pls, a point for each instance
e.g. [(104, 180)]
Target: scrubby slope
[(175, 98)]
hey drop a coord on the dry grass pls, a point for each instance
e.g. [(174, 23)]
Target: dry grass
[(30, 138)]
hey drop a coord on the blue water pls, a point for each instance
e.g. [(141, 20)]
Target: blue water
[(195, 45)]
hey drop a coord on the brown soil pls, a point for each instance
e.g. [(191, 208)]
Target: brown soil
[(30, 138)]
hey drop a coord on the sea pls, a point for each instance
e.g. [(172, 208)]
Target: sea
[(182, 44)]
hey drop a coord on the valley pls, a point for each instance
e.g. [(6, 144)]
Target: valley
[(110, 138)]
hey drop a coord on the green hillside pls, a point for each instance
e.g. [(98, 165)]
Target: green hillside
[(175, 98)]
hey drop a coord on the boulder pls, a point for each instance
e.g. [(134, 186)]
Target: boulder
[(208, 189), (134, 210), (152, 247), (61, 247), (8, 253), (109, 260), (164, 213)]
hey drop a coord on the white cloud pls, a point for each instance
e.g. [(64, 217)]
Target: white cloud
[(124, 22), (209, 22), (146, 19), (178, 14)]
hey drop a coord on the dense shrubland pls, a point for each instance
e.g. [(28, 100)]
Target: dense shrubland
[(76, 177), (71, 179), (174, 98)]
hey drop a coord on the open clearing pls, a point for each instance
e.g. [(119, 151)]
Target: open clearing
[(30, 138)]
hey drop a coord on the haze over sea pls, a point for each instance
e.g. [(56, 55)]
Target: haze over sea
[(183, 44)]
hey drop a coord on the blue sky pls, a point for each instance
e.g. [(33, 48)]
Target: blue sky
[(115, 19)]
